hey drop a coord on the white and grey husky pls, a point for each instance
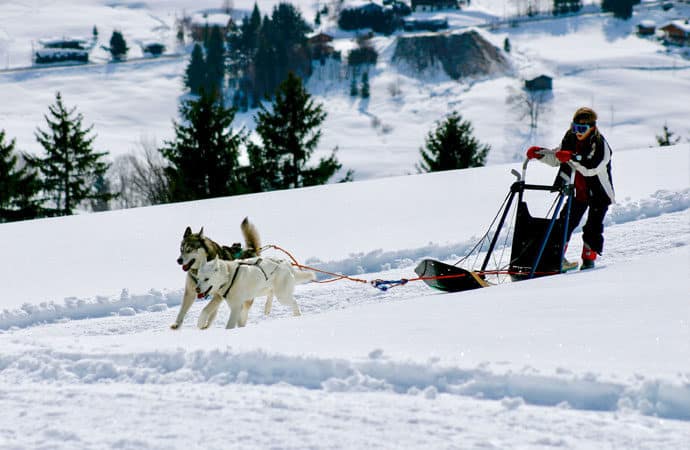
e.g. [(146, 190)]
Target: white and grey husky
[(195, 250), (240, 281)]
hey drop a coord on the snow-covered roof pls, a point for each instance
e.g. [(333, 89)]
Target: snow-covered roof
[(680, 24), (647, 23)]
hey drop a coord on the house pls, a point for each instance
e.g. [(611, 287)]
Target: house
[(677, 32), (412, 24), (432, 5), (646, 28), (55, 55), (540, 83), (319, 45), (153, 48)]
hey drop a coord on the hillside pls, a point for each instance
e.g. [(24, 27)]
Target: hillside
[(137, 101), (554, 362)]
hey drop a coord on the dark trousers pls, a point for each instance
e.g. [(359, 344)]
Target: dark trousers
[(593, 231)]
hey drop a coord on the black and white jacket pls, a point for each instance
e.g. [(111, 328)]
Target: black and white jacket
[(591, 159)]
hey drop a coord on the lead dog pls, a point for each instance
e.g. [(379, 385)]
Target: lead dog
[(195, 250), (239, 280)]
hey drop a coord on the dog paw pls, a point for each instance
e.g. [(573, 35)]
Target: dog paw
[(174, 326)]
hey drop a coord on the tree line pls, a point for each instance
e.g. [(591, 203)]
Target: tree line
[(203, 158)]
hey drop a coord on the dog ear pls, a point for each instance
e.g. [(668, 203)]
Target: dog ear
[(187, 232), (201, 232)]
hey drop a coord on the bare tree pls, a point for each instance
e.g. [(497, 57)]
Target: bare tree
[(140, 178), (527, 103)]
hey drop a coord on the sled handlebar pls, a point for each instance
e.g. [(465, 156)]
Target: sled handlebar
[(521, 177)]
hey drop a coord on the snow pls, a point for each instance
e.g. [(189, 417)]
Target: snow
[(556, 361), (592, 359)]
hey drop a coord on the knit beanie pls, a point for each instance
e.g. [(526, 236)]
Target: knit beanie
[(585, 115)]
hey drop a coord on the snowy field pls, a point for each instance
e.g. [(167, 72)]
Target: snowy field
[(597, 359), (585, 360), (594, 59)]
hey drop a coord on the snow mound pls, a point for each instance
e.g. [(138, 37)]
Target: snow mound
[(650, 397)]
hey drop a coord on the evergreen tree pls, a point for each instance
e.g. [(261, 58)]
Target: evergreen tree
[(506, 45), (215, 60), (204, 154), (354, 92), (667, 138), (195, 74), (94, 33), (365, 85), (621, 9), (452, 146), (71, 166), (317, 19), (289, 131), (101, 186), (18, 186), (118, 46)]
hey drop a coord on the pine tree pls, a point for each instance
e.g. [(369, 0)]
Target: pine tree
[(289, 131), (621, 9), (71, 166), (18, 186), (215, 60), (354, 92), (452, 146), (204, 154), (94, 33), (506, 45), (667, 138), (195, 74), (365, 85), (118, 46)]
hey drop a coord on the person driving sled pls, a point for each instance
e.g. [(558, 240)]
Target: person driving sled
[(584, 149)]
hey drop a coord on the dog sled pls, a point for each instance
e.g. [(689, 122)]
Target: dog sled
[(537, 242)]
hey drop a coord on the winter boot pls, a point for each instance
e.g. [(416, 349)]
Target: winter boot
[(588, 257)]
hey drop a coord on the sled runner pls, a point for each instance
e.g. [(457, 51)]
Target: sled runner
[(537, 245)]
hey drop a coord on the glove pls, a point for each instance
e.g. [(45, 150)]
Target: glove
[(564, 155), (534, 152)]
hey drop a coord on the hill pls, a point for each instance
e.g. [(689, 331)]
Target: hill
[(555, 361)]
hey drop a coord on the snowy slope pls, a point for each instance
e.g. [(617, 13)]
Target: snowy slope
[(594, 359)]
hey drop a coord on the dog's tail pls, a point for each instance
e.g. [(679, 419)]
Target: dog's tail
[(303, 276), (252, 241)]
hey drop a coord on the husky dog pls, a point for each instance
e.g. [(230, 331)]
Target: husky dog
[(238, 280), (195, 250)]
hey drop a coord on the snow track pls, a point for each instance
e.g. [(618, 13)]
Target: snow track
[(661, 222)]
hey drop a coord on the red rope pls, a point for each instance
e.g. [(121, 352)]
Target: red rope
[(339, 276)]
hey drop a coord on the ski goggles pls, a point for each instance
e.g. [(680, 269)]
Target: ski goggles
[(580, 128)]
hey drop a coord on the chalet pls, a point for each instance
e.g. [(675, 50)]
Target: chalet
[(320, 45), (411, 24), (153, 48), (56, 55), (677, 32), (540, 83), (432, 5), (646, 28)]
